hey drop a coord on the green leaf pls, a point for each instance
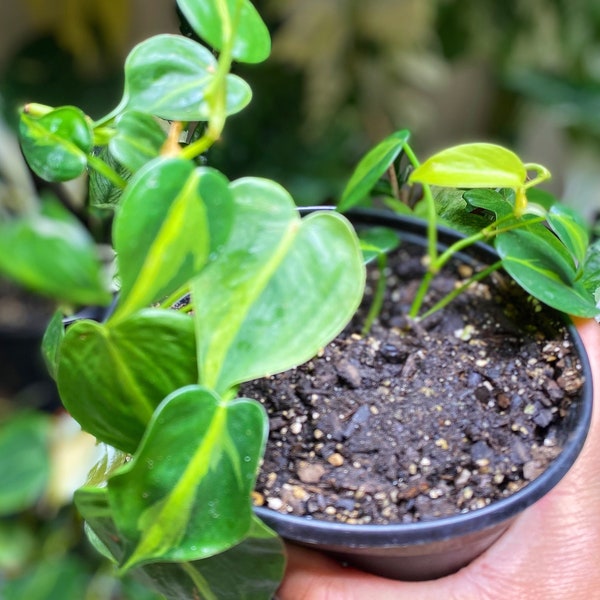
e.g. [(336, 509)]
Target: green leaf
[(282, 289), (252, 570), (540, 264), (171, 77), (52, 254), (371, 167), (572, 230), (53, 337), (185, 495), (24, 461), (162, 232), (56, 145), (138, 140), (112, 377), (489, 200), (477, 165), (377, 240), (251, 39)]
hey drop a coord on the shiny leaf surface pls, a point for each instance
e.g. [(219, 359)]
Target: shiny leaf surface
[(56, 145), (251, 41), (171, 77), (477, 165), (112, 377), (273, 277), (185, 495), (163, 233)]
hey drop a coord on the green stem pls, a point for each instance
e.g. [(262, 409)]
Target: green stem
[(458, 291), (99, 165), (543, 174), (217, 94), (378, 296), (432, 240)]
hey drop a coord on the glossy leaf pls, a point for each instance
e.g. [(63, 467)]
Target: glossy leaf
[(370, 169), (251, 39), (138, 140), (540, 264), (171, 76), (377, 240), (52, 254), (112, 377), (56, 145), (282, 289), (185, 495), (24, 461), (162, 232), (477, 165), (571, 228), (252, 570)]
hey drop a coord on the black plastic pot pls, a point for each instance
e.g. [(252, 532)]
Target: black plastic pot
[(432, 549)]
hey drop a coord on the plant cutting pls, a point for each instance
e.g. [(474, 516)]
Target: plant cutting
[(216, 283), (412, 447)]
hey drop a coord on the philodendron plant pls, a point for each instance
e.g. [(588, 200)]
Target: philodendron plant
[(217, 283), (488, 193)]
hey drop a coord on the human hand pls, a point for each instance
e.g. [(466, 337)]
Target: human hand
[(551, 551)]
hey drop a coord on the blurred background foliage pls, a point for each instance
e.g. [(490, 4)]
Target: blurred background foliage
[(343, 74)]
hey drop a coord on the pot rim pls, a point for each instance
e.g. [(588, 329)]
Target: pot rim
[(308, 529)]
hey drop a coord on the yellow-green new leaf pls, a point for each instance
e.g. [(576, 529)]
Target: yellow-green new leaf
[(478, 165)]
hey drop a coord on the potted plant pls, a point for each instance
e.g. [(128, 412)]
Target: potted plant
[(217, 283), (346, 472)]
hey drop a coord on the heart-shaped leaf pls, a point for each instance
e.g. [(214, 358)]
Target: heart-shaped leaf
[(477, 165), (56, 144), (371, 167), (138, 140), (171, 76), (164, 231), (51, 253), (112, 377), (536, 259), (250, 570), (185, 495), (282, 289), (214, 21)]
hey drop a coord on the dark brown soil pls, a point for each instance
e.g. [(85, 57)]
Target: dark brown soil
[(419, 420)]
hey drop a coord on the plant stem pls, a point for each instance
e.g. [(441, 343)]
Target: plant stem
[(456, 292), (217, 94)]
